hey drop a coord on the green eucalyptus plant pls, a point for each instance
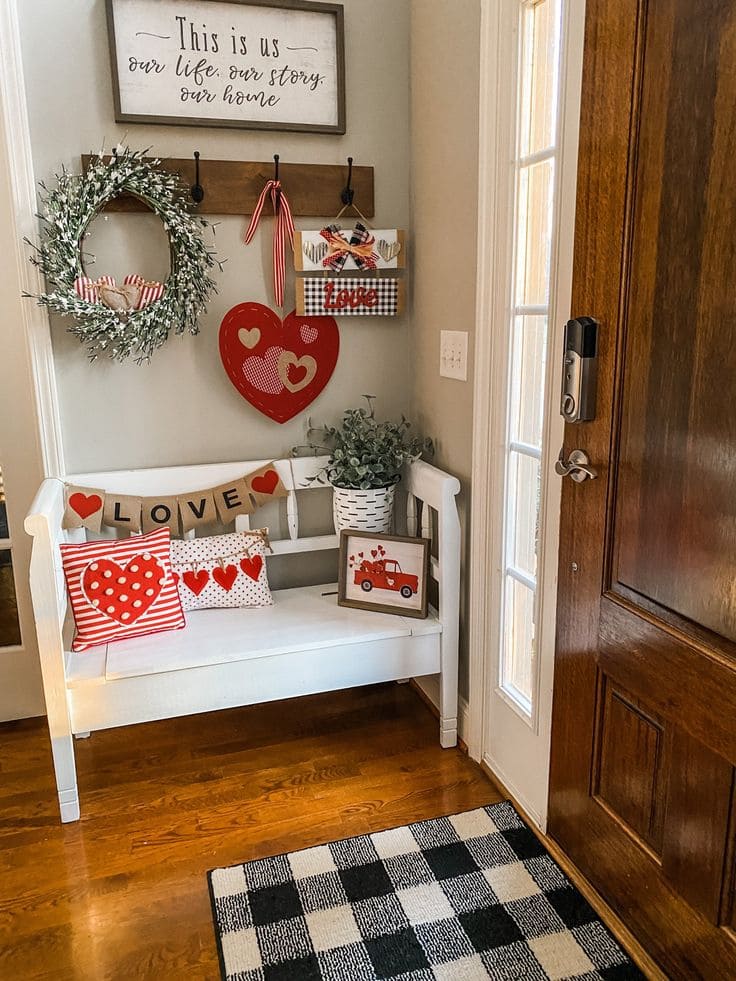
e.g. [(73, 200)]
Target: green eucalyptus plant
[(364, 453)]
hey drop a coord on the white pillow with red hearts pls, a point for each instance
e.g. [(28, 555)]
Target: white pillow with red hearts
[(222, 570), (121, 589)]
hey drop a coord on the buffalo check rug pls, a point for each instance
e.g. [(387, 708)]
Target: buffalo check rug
[(458, 898)]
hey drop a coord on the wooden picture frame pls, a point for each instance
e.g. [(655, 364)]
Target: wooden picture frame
[(362, 573), (155, 57)]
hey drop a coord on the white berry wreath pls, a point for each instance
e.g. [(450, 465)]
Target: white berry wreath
[(66, 213)]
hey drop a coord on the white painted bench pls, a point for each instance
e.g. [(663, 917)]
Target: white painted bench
[(304, 644)]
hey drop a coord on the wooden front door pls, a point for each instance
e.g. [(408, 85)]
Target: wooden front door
[(644, 724)]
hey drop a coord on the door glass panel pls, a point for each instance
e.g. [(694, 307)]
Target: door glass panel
[(9, 625), (524, 504), (528, 373), (534, 233), (537, 88), (4, 533), (518, 646), (539, 59)]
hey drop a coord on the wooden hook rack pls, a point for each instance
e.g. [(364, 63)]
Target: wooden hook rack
[(231, 187)]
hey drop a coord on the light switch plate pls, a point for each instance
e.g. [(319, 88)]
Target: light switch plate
[(454, 354)]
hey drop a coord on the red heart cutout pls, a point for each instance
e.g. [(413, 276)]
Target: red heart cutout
[(268, 374), (135, 588), (252, 567), (84, 504), (374, 553), (360, 555), (225, 577), (196, 581), (266, 483)]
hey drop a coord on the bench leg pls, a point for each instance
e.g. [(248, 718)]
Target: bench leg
[(448, 709), (62, 749), (448, 732)]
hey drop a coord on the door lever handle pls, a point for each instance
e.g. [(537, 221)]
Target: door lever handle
[(577, 466)]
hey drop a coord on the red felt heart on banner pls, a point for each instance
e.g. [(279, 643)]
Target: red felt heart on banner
[(85, 504), (252, 567), (374, 552), (225, 577), (124, 594), (288, 367), (266, 483), (196, 581)]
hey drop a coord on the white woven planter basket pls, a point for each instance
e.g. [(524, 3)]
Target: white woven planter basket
[(363, 510)]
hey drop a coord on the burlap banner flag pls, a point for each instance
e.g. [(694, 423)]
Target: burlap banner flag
[(160, 512), (84, 506), (265, 484), (232, 499), (88, 507), (122, 511), (197, 510)]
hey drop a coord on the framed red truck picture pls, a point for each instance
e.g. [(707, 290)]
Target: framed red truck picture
[(383, 573)]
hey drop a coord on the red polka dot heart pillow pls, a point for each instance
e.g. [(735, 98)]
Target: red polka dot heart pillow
[(121, 589), (222, 570)]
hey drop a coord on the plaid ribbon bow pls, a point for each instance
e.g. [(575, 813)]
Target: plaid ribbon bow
[(283, 226), (359, 246)]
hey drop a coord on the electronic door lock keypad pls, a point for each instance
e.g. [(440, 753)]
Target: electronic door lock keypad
[(579, 370)]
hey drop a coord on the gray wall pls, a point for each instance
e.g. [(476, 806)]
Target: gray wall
[(181, 408), (445, 81)]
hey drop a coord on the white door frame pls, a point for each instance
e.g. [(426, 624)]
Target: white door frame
[(32, 449), (15, 147), (497, 122)]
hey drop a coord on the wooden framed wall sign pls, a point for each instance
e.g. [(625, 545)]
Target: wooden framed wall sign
[(383, 573), (252, 64)]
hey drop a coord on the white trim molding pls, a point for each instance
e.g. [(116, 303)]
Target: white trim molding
[(35, 329), (499, 47), (493, 246)]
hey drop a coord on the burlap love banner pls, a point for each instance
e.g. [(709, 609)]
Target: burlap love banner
[(88, 507)]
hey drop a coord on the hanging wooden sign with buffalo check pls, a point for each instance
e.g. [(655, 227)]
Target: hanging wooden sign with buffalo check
[(332, 251), (318, 296)]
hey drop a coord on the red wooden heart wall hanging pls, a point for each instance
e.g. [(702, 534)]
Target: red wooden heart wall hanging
[(280, 367)]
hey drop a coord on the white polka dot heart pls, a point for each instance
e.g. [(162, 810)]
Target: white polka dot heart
[(124, 593)]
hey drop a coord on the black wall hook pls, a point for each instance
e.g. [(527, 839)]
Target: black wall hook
[(197, 189), (276, 177), (348, 193)]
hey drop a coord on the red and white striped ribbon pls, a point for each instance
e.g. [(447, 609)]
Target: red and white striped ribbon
[(283, 226), (150, 291), (88, 289)]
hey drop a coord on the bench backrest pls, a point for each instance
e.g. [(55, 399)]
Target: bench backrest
[(297, 475)]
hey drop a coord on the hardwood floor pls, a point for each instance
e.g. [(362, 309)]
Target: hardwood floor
[(123, 893)]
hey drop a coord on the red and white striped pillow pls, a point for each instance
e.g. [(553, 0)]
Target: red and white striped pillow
[(121, 589)]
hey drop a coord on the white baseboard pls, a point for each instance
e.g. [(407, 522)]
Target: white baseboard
[(511, 786), (430, 685)]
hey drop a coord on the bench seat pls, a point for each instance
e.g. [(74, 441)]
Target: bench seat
[(303, 619)]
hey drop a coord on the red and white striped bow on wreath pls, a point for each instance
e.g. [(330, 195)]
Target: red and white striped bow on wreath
[(283, 226)]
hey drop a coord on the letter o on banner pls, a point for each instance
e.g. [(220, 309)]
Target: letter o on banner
[(161, 512)]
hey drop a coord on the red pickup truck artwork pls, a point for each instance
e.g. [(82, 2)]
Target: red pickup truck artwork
[(385, 574)]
